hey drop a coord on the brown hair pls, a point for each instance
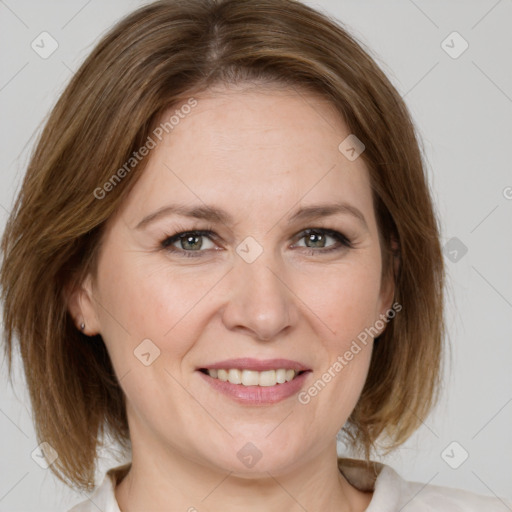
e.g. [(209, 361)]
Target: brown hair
[(150, 61)]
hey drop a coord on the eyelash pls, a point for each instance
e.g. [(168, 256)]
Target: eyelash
[(169, 240)]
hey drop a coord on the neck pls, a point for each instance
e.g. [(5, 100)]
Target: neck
[(178, 483)]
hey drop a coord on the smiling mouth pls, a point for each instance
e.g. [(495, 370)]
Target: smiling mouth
[(265, 378)]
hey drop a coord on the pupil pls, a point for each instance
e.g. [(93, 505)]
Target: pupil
[(316, 239), (191, 242)]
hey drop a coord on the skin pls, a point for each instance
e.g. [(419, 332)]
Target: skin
[(260, 154)]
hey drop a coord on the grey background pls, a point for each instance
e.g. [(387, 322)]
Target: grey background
[(463, 109)]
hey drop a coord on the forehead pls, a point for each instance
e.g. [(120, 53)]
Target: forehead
[(257, 147)]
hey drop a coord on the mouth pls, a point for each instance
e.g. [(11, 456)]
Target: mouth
[(255, 382), (242, 377)]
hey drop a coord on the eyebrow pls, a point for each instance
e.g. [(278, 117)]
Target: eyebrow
[(214, 214)]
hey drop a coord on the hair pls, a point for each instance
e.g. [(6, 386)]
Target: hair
[(150, 61)]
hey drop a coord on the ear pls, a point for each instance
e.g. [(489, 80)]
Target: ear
[(82, 306), (388, 283)]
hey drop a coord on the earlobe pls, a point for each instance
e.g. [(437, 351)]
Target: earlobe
[(386, 306), (82, 307)]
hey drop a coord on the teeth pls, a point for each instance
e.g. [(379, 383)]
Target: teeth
[(254, 378), (281, 376), (249, 378), (268, 378), (235, 376)]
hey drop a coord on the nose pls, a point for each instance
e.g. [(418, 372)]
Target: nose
[(261, 303)]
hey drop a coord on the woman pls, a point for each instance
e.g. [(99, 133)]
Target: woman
[(224, 251)]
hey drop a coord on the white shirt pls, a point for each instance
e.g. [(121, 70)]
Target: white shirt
[(391, 493)]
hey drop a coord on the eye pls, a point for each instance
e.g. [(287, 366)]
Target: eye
[(325, 240), (189, 242), (195, 243)]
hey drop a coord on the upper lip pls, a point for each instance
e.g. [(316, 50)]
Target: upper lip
[(248, 363)]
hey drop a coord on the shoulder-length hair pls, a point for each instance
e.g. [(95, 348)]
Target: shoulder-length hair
[(150, 61)]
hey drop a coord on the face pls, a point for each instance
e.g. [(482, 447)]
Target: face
[(248, 250)]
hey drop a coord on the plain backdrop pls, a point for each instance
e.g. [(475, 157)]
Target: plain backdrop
[(461, 102)]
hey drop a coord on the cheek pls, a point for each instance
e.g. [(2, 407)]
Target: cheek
[(346, 299), (346, 304), (346, 307), (142, 301)]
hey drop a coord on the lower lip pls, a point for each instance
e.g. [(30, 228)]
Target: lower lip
[(257, 395)]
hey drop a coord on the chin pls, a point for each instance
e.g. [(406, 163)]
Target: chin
[(256, 460)]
